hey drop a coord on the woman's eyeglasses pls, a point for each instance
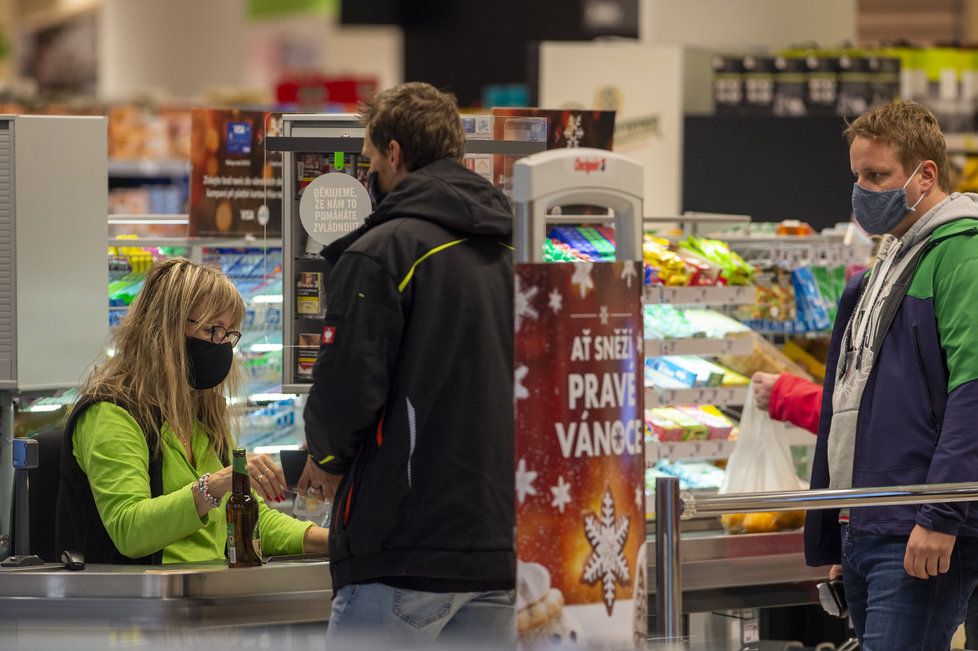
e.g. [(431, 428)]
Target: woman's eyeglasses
[(220, 334)]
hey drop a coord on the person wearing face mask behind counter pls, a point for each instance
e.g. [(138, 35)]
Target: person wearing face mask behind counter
[(144, 461), (901, 391)]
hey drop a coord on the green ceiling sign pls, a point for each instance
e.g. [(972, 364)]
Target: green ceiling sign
[(264, 9)]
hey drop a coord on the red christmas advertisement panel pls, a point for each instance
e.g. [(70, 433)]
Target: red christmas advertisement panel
[(580, 512)]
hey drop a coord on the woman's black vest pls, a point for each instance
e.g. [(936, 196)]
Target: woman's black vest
[(78, 526)]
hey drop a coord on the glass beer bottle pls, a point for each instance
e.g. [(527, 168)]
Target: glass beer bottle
[(244, 541)]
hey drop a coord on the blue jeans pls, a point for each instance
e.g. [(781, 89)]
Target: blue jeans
[(376, 616), (891, 609)]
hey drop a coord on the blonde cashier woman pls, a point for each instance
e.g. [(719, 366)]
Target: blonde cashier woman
[(144, 464)]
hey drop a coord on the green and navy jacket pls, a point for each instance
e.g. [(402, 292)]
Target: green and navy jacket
[(916, 422), (412, 396)]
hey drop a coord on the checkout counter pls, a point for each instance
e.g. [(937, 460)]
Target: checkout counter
[(280, 605), (288, 602)]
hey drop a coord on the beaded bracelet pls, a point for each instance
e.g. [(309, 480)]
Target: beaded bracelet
[(202, 489)]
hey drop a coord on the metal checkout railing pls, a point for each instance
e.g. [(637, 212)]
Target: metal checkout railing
[(671, 506)]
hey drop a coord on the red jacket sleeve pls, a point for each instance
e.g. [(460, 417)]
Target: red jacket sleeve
[(797, 401)]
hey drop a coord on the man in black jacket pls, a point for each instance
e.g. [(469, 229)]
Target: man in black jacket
[(412, 398)]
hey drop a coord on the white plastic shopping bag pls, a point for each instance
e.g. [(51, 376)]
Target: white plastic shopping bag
[(761, 462)]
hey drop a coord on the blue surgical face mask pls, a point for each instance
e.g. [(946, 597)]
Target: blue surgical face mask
[(880, 211)]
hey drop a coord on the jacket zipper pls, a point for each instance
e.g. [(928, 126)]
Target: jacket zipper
[(923, 373)]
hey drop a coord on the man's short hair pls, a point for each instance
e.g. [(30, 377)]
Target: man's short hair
[(421, 118), (911, 130)]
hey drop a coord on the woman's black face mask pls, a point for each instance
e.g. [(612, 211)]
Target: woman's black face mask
[(210, 363)]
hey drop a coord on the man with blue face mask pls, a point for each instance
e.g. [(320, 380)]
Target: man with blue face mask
[(901, 391)]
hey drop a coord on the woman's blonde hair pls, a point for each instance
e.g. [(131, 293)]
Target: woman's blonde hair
[(148, 374)]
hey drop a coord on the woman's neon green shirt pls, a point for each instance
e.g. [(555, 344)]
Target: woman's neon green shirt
[(111, 448)]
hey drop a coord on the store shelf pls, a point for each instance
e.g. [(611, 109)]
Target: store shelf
[(148, 169), (656, 397), (146, 219), (699, 346), (673, 450), (707, 295), (204, 242)]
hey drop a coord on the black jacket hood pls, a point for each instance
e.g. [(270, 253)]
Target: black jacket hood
[(443, 192)]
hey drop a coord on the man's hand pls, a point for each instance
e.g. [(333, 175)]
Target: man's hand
[(318, 479), (763, 386), (835, 572), (928, 553)]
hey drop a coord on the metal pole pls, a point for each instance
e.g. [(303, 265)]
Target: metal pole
[(809, 500), (668, 565), (6, 456), (22, 545)]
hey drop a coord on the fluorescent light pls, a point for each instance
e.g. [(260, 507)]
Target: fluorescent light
[(133, 222), (271, 397), (40, 409), (267, 298), (273, 449), (265, 348)]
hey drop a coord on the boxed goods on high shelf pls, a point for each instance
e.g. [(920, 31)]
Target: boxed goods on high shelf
[(848, 82), (796, 83), (149, 159)]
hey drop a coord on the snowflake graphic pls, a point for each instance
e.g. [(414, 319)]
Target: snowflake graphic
[(607, 562), (523, 299), (519, 391), (573, 132), (582, 277), (604, 315), (524, 481), (556, 300), (629, 272), (561, 494)]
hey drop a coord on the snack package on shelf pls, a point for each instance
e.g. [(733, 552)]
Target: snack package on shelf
[(794, 227), (734, 270), (718, 426), (831, 282), (587, 241), (690, 370), (661, 428), (664, 267), (690, 429), (693, 475), (774, 298), (654, 378), (554, 251), (766, 358), (734, 379), (811, 306), (670, 322), (687, 423)]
